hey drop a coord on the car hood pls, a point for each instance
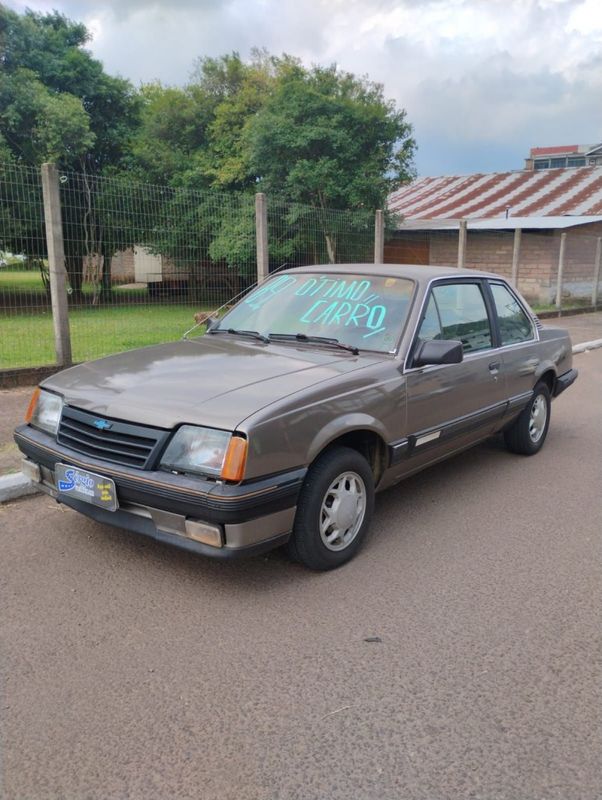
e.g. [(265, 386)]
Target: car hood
[(204, 381)]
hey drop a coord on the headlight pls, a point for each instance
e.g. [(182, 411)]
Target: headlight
[(206, 451), (44, 411)]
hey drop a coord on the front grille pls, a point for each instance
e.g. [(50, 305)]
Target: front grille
[(121, 443)]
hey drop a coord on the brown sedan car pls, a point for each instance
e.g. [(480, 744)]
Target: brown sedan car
[(320, 387)]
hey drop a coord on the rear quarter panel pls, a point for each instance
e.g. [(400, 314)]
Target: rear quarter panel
[(556, 351), (525, 364)]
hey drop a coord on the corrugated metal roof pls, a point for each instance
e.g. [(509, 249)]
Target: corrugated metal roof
[(510, 224), (530, 193)]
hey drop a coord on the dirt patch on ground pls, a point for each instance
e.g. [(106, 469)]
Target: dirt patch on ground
[(13, 405)]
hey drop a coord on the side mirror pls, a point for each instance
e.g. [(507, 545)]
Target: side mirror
[(438, 351), (211, 323)]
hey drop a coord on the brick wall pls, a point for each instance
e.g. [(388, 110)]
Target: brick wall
[(413, 249), (492, 251), (579, 259), (122, 267)]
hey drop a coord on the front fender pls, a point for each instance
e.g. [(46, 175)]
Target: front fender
[(291, 433), (348, 423)]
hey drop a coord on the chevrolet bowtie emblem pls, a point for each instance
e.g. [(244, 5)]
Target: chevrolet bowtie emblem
[(102, 424)]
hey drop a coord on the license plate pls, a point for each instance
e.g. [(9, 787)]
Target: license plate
[(86, 486)]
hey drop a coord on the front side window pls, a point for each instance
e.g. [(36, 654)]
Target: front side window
[(514, 324), (366, 311), (457, 311)]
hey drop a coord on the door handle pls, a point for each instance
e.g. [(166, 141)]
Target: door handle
[(494, 366)]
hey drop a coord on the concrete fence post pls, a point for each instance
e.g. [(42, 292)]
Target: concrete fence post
[(597, 271), (560, 271), (261, 229), (56, 264), (516, 256), (462, 232), (379, 237)]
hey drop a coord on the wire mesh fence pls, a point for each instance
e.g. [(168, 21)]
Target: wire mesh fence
[(25, 315), (299, 235), (142, 260)]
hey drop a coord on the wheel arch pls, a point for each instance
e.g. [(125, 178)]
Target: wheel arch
[(548, 376), (358, 432)]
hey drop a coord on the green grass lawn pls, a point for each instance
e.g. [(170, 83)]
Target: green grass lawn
[(29, 282), (21, 281), (27, 340), (27, 337)]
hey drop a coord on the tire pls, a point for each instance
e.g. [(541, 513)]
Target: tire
[(528, 432), (321, 539)]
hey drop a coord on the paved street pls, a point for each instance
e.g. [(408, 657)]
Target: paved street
[(13, 404), (131, 670), (582, 327)]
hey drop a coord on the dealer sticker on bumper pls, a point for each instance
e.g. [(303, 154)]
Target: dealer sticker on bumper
[(86, 486)]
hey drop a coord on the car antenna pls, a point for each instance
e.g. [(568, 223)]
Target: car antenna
[(213, 314)]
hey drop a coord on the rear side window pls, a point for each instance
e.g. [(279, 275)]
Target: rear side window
[(458, 311), (514, 324)]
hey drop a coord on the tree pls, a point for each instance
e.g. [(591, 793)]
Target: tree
[(52, 49), (57, 103), (319, 138), (192, 140), (172, 132), (240, 91), (39, 124), (330, 140)]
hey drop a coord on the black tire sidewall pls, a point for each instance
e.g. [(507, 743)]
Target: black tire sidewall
[(307, 545), (517, 437)]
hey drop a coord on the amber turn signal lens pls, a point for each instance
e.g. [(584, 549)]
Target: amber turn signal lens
[(235, 460), (32, 405)]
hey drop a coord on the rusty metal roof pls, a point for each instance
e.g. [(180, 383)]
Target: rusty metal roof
[(573, 191)]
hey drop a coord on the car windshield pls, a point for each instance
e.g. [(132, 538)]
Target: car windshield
[(364, 311)]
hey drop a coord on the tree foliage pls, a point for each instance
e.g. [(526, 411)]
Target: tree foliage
[(329, 139), (58, 104), (43, 59), (313, 138), (318, 137)]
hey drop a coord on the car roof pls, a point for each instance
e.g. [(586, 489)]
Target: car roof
[(417, 272)]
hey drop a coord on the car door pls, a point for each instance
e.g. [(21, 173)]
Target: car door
[(519, 344), (454, 405)]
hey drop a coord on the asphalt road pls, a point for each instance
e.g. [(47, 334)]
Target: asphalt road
[(130, 670)]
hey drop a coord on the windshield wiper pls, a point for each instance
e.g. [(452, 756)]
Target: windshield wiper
[(303, 337), (252, 334)]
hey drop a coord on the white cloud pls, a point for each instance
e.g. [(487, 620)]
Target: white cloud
[(481, 81)]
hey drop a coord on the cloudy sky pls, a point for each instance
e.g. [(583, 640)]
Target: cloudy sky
[(482, 80)]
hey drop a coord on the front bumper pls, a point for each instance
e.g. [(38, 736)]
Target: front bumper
[(239, 519)]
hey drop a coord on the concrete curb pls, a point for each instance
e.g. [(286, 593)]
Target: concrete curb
[(17, 485), (14, 486), (585, 346)]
